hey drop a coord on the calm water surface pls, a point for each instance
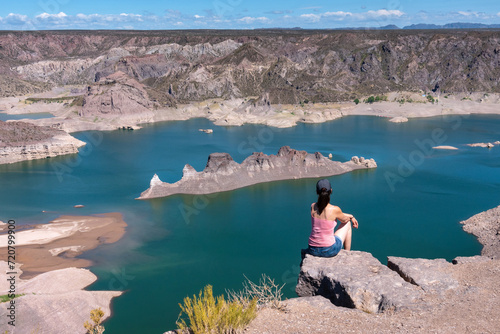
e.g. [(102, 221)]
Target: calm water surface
[(6, 117), (409, 206)]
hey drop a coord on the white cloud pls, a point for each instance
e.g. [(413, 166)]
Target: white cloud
[(16, 19), (470, 14), (281, 18), (248, 19), (384, 13), (339, 13), (52, 16), (312, 17), (131, 15)]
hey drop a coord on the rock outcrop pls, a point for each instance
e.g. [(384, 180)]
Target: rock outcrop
[(486, 227), (430, 275), (484, 145), (356, 280), (21, 141), (116, 94), (222, 173), (55, 302)]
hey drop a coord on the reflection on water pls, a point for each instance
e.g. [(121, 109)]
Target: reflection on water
[(174, 246)]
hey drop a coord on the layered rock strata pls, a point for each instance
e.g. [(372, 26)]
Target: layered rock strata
[(115, 94), (291, 66), (222, 173), (21, 141)]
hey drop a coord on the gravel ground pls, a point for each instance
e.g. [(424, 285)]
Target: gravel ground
[(471, 308)]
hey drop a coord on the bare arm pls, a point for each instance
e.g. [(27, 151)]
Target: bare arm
[(345, 217)]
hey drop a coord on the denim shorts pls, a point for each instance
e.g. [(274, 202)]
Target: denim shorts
[(329, 251)]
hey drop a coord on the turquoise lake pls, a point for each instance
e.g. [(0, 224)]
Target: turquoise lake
[(6, 117), (410, 206)]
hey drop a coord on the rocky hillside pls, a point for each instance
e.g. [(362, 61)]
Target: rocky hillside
[(277, 66)]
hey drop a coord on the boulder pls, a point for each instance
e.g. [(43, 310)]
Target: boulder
[(356, 279), (430, 275), (368, 163)]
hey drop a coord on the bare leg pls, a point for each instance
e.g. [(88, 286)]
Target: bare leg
[(344, 232)]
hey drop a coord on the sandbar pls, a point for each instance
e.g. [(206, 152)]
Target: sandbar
[(445, 147), (57, 244)]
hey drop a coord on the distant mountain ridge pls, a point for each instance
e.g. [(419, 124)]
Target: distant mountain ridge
[(455, 25), (428, 26)]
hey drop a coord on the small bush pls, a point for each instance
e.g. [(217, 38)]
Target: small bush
[(356, 101), (78, 101), (207, 314), (267, 293), (96, 317)]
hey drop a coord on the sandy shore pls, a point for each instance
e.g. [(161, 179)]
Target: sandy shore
[(57, 244)]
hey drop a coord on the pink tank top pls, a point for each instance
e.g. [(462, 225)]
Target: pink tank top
[(322, 232)]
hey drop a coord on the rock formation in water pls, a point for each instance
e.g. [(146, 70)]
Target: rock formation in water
[(20, 141), (222, 173), (485, 145)]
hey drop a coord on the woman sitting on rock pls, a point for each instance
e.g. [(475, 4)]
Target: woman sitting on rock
[(324, 216)]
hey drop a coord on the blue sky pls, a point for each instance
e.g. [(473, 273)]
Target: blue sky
[(239, 14)]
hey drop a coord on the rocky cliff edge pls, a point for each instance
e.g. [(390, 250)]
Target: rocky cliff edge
[(20, 141), (406, 296), (357, 280)]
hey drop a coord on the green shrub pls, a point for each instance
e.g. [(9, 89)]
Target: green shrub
[(356, 101), (207, 314)]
